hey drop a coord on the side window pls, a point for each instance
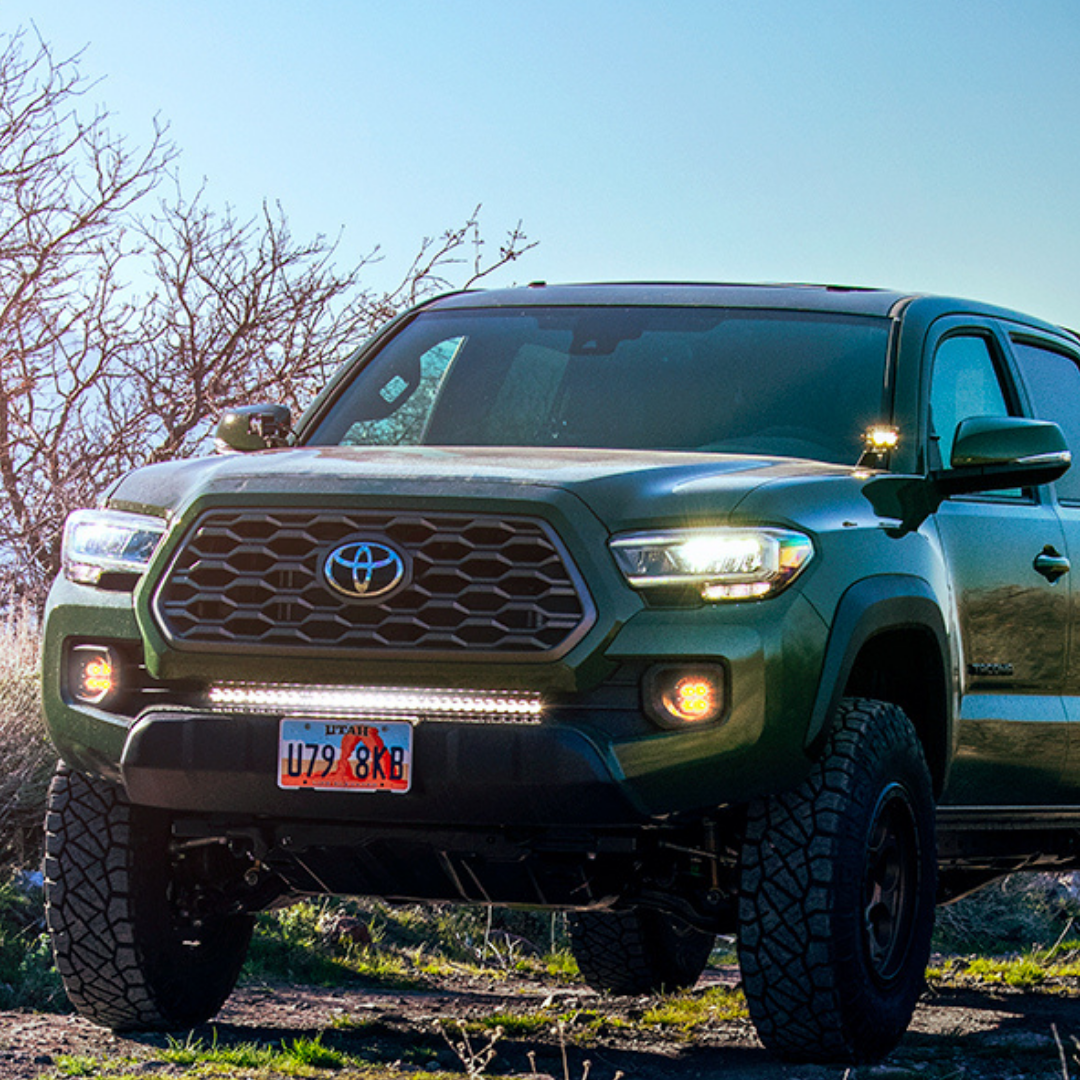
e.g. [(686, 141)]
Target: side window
[(964, 383), (1053, 381)]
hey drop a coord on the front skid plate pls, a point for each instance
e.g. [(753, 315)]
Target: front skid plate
[(468, 774)]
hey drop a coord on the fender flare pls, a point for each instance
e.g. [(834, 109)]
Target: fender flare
[(868, 608)]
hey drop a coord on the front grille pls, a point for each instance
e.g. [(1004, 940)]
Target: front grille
[(251, 580)]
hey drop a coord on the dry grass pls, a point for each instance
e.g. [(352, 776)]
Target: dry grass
[(1013, 916), (27, 759)]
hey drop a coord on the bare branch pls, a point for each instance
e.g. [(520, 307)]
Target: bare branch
[(96, 376)]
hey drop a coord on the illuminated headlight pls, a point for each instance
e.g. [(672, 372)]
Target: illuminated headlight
[(98, 542), (721, 563)]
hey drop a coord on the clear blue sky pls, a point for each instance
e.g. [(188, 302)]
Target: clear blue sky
[(930, 145)]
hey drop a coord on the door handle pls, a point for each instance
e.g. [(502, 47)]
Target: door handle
[(1051, 564)]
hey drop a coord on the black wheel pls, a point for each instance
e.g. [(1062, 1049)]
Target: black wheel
[(128, 960), (837, 894), (639, 951)]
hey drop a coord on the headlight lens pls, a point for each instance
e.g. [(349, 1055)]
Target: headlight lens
[(722, 563), (98, 542)]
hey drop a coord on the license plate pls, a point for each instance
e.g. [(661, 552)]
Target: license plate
[(345, 755)]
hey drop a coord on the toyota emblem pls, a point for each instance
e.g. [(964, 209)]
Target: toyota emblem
[(364, 569)]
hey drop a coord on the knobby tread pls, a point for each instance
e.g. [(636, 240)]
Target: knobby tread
[(810, 993), (89, 902), (105, 910), (637, 951)]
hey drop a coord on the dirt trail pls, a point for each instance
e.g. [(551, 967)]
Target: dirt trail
[(970, 1034)]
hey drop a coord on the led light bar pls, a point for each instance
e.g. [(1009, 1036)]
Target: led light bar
[(477, 706)]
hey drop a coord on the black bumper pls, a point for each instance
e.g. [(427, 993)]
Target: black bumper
[(463, 774)]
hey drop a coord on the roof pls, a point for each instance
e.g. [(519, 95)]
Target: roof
[(798, 297), (851, 300)]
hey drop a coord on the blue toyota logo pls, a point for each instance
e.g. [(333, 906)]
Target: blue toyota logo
[(364, 569)]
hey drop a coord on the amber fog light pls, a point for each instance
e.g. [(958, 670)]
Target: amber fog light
[(681, 696), (93, 674)]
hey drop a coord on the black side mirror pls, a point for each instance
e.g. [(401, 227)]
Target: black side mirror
[(991, 452), (253, 427)]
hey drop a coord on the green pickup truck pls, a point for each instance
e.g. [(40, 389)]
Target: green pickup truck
[(688, 609)]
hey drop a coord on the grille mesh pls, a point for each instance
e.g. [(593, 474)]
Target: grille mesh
[(252, 579)]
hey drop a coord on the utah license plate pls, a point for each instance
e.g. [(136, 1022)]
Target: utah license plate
[(345, 755)]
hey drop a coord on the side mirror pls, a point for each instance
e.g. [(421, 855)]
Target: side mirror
[(252, 427), (992, 452)]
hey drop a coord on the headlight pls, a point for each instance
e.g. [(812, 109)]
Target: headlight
[(723, 563), (98, 542)]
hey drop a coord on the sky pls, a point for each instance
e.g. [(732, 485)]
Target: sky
[(925, 145)]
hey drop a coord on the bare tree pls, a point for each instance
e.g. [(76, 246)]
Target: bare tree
[(67, 186), (242, 312), (100, 372)]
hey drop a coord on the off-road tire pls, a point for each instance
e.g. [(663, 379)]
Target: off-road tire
[(837, 894), (638, 951), (125, 961)]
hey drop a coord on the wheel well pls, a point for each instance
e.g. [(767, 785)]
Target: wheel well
[(905, 667)]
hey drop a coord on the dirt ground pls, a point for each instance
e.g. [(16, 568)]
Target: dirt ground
[(969, 1034)]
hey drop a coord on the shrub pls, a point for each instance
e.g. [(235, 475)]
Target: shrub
[(1016, 913), (28, 979), (27, 759)]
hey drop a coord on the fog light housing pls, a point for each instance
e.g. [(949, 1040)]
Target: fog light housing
[(685, 695), (93, 674)]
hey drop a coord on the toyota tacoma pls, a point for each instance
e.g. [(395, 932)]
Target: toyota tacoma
[(686, 609)]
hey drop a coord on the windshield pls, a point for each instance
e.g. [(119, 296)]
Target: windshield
[(778, 383)]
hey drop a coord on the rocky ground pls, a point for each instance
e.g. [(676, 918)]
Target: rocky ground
[(975, 1034)]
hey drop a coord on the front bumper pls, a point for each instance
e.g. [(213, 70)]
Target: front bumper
[(468, 774), (593, 760)]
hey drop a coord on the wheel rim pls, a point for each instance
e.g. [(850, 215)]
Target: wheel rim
[(890, 885)]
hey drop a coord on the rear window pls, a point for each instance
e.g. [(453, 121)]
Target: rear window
[(777, 383)]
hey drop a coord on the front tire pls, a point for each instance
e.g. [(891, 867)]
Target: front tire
[(638, 951), (128, 961), (837, 894)]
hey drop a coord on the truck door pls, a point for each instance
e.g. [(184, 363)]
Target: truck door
[(1050, 368), (1004, 551)]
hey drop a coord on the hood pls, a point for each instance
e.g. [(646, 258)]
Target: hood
[(625, 489)]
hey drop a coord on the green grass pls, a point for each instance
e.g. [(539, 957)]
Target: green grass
[(576, 1026), (680, 1014), (77, 1065), (515, 1024), (689, 1010), (294, 1057), (306, 1059), (312, 1052), (1050, 970)]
